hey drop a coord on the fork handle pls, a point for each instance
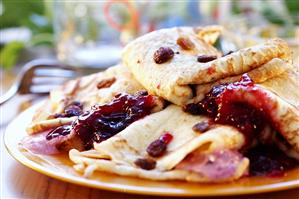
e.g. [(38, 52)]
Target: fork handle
[(8, 95)]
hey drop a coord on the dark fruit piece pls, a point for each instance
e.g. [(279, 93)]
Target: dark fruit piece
[(201, 127), (163, 54), (158, 147), (145, 163), (206, 58)]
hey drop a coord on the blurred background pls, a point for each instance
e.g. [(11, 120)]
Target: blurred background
[(92, 33)]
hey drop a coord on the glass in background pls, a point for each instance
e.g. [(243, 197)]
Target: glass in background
[(83, 38), (248, 23), (92, 33)]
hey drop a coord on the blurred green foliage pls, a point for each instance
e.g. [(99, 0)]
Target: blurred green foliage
[(293, 6), (32, 14), (10, 54), (17, 12), (273, 15)]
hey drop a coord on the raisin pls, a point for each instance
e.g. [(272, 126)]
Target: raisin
[(185, 43), (201, 126), (106, 83), (193, 109), (206, 58), (145, 163), (156, 148), (163, 54)]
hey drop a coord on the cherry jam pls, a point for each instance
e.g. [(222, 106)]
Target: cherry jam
[(102, 122), (243, 105), (229, 104)]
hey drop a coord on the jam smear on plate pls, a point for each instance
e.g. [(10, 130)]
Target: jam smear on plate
[(248, 108)]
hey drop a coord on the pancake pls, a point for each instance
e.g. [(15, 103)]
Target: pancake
[(119, 153), (91, 108), (224, 116), (278, 81), (88, 90), (181, 65), (182, 78)]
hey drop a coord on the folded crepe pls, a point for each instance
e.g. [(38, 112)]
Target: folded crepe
[(89, 90), (199, 149), (184, 67), (187, 75), (67, 119), (224, 106), (127, 153)]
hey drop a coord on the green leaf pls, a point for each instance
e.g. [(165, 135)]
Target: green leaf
[(10, 53), (16, 12)]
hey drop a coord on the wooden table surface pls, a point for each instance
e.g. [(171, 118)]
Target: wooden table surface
[(18, 181)]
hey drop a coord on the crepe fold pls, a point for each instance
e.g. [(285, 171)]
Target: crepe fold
[(209, 155), (174, 79), (183, 80), (88, 90), (119, 153), (279, 82)]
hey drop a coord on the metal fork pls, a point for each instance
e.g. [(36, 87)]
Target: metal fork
[(40, 76)]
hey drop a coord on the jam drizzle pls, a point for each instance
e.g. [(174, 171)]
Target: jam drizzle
[(102, 122), (243, 105)]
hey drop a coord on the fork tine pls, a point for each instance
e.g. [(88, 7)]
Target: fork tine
[(41, 89), (49, 80), (47, 72)]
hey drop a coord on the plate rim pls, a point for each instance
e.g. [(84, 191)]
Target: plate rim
[(21, 158)]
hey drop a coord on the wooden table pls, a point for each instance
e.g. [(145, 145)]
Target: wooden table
[(18, 181)]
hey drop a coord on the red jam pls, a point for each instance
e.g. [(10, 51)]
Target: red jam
[(166, 138), (239, 104), (102, 122), (243, 105)]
